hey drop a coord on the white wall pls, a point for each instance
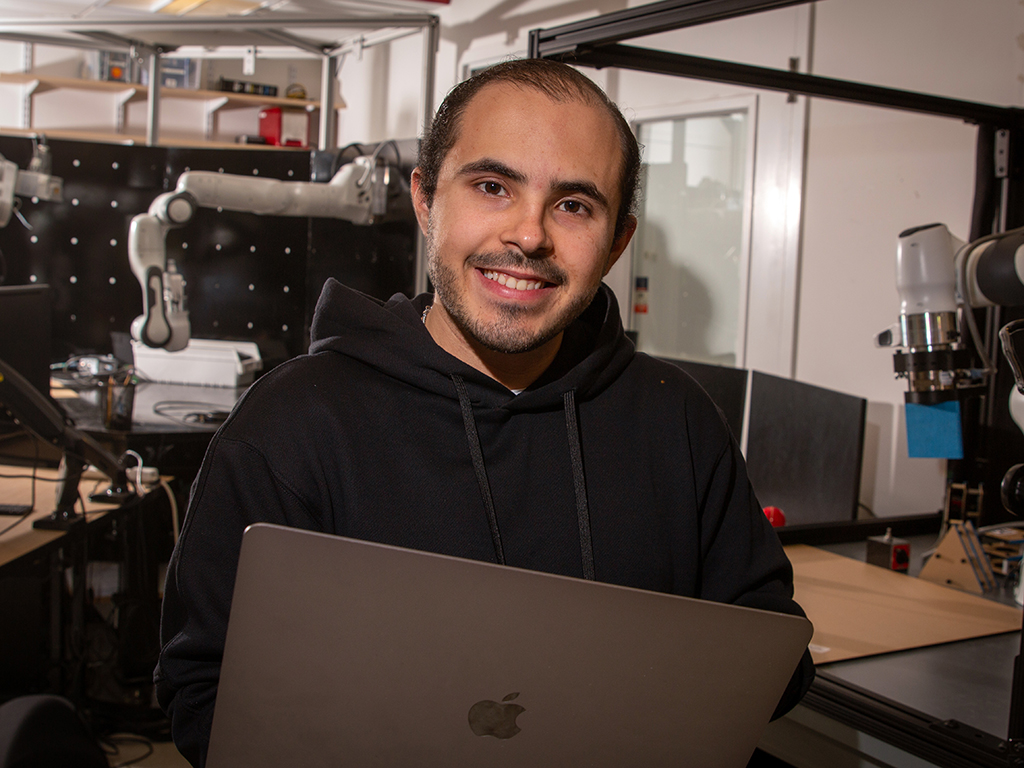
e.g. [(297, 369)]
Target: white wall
[(385, 80)]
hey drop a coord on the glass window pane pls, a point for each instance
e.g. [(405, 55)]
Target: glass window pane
[(689, 249)]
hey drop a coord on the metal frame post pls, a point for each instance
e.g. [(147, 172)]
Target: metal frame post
[(431, 34), (153, 100), (328, 115)]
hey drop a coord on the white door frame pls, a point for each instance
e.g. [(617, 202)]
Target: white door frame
[(772, 279)]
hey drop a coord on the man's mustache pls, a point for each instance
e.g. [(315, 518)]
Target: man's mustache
[(511, 261)]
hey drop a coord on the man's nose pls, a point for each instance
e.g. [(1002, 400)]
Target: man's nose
[(527, 230)]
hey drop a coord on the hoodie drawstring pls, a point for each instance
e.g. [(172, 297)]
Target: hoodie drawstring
[(575, 458), (580, 483), (478, 464)]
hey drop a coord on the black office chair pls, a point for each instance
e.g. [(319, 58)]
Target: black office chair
[(46, 732)]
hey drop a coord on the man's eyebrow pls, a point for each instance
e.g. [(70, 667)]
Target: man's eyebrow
[(585, 188), (498, 168)]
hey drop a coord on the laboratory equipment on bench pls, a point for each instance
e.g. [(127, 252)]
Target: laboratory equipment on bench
[(357, 192), (940, 280), (203, 362)]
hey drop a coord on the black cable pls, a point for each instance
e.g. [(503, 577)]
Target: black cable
[(213, 414), (115, 743)]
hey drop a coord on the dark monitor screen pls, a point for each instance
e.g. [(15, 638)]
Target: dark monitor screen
[(804, 447), (25, 335), (25, 345)]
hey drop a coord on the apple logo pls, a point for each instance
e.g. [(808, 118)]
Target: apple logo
[(491, 718)]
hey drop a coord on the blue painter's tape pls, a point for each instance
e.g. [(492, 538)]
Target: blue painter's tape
[(933, 431)]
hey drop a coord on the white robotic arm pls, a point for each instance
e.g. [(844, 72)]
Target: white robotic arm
[(356, 193), (36, 181), (938, 276), (940, 280)]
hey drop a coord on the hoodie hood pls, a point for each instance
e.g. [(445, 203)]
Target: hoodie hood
[(390, 337)]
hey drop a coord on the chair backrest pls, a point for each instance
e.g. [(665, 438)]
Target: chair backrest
[(46, 732)]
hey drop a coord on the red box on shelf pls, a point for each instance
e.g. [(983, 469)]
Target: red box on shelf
[(284, 127)]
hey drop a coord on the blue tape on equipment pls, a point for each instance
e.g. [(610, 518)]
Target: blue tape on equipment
[(933, 431)]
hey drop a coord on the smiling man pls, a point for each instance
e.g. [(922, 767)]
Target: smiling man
[(504, 418), (522, 224)]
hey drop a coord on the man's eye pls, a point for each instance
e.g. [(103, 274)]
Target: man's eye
[(491, 188), (573, 206)]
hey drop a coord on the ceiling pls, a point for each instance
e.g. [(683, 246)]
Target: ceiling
[(169, 24), (19, 9)]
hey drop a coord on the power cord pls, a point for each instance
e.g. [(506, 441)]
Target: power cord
[(112, 746)]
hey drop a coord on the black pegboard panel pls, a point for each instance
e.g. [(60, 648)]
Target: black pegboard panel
[(378, 260), (248, 277), (78, 246)]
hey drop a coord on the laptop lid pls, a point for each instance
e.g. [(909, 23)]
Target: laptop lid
[(344, 652)]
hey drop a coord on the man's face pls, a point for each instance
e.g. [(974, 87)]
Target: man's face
[(521, 228)]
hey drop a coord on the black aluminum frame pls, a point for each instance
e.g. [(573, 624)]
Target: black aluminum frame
[(644, 20), (596, 43)]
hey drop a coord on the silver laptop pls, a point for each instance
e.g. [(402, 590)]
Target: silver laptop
[(346, 653)]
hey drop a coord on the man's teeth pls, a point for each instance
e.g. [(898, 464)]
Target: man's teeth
[(511, 282)]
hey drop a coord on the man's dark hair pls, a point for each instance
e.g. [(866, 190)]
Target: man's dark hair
[(559, 82)]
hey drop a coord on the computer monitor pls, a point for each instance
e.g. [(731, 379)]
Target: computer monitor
[(25, 345), (804, 448), (25, 331)]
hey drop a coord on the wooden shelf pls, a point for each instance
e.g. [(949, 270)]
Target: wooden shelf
[(127, 93), (236, 100), (43, 84), (131, 139)]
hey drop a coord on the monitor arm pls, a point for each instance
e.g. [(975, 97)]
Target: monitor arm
[(33, 411), (356, 193)]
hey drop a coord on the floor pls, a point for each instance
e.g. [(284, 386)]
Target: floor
[(130, 749)]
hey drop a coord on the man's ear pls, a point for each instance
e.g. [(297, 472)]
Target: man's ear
[(620, 243), (419, 200)]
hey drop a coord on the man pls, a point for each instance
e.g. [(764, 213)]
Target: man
[(506, 418)]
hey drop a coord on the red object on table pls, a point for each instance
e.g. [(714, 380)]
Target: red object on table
[(775, 516)]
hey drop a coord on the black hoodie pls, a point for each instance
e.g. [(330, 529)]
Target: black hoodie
[(612, 465)]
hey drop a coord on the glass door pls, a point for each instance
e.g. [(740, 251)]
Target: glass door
[(692, 246)]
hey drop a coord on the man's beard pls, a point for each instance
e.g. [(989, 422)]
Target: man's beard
[(508, 332)]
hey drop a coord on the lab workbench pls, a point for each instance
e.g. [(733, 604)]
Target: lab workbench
[(942, 703), (44, 590)]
